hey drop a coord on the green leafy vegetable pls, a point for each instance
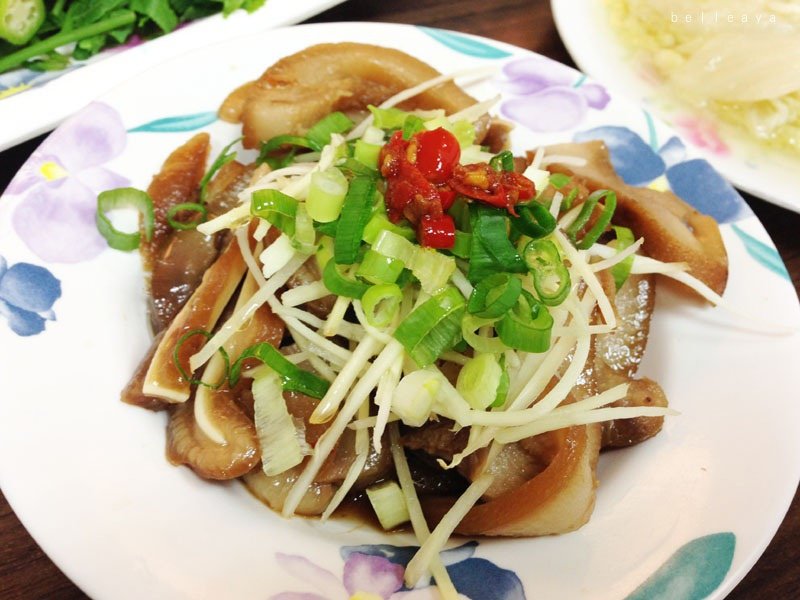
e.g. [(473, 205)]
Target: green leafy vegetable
[(35, 29)]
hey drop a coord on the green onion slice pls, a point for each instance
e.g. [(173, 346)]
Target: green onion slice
[(381, 303), (527, 326), (622, 270), (494, 296), (481, 343), (195, 207), (479, 380), (124, 198), (378, 222), (534, 220), (356, 213), (566, 203), (319, 135), (491, 249), (225, 156), (341, 285), (433, 327), (551, 278), (326, 194), (354, 168), (188, 376), (367, 154), (293, 378), (587, 211), (387, 118), (377, 268), (503, 161), (412, 125), (462, 244), (268, 148), (502, 387), (559, 180), (276, 207)]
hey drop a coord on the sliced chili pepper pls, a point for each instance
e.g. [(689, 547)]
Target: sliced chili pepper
[(551, 279), (437, 232)]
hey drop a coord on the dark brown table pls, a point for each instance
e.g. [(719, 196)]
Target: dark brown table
[(27, 573)]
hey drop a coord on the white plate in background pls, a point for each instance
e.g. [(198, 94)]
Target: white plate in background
[(587, 33)]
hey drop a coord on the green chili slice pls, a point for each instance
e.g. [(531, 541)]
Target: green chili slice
[(551, 278)]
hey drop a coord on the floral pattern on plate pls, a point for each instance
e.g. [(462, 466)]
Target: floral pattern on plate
[(548, 96), (375, 572), (59, 183), (27, 295)]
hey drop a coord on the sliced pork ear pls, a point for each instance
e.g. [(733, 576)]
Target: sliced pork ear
[(273, 490), (163, 378), (616, 360), (302, 88), (621, 433), (188, 445), (176, 183), (673, 231), (558, 499)]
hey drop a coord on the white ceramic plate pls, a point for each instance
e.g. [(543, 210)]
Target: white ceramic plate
[(40, 101), (687, 512), (585, 29)]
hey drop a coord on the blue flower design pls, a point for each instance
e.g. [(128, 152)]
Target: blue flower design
[(27, 295), (694, 180)]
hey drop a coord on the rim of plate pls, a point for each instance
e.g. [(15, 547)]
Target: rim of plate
[(591, 43), (83, 578)]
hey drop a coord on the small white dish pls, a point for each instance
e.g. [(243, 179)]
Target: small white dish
[(587, 33)]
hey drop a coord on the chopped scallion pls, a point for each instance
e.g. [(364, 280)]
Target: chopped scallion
[(319, 135), (381, 303), (377, 268), (192, 207), (326, 194), (622, 270), (356, 213), (224, 157), (527, 326), (433, 327), (122, 198), (293, 378), (341, 285)]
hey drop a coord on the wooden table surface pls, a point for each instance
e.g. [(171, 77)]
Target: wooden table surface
[(27, 573)]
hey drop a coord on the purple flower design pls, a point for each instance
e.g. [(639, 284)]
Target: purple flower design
[(59, 185), (363, 576), (375, 572), (549, 96), (27, 295)]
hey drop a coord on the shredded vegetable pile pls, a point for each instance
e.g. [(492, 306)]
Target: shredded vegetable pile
[(442, 258)]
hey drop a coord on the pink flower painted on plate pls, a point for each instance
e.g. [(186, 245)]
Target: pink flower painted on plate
[(59, 183), (364, 577), (702, 134), (549, 96)]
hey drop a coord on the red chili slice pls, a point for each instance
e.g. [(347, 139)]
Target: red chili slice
[(437, 232)]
